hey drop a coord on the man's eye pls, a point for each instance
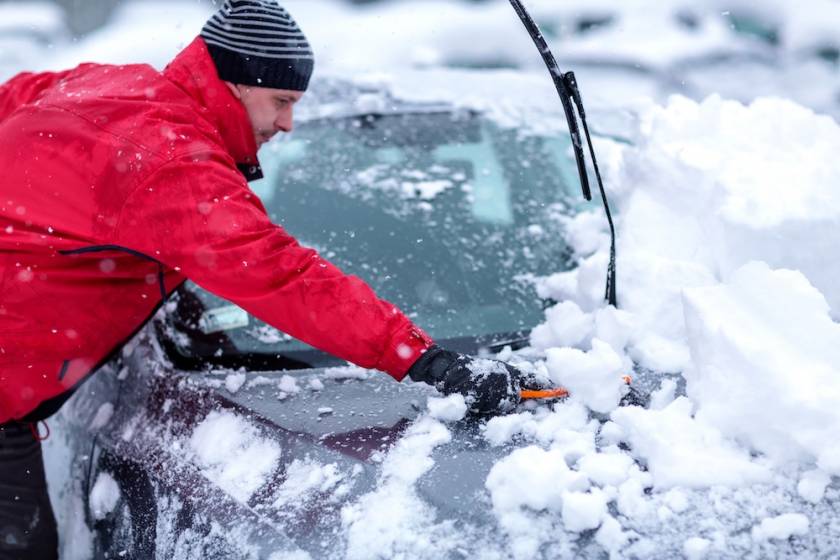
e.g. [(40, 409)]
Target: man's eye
[(282, 102)]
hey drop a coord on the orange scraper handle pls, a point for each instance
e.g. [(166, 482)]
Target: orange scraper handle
[(557, 393)]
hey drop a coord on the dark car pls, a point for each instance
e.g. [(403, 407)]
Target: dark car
[(214, 435)]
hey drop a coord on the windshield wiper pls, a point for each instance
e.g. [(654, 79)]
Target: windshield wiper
[(567, 89)]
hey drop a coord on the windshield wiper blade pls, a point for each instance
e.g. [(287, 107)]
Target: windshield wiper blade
[(567, 89)]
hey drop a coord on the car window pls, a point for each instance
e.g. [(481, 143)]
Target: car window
[(447, 215)]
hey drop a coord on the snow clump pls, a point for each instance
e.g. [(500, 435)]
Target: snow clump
[(234, 382), (232, 453), (781, 527), (104, 495), (447, 409)]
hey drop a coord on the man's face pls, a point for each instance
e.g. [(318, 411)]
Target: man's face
[(269, 109)]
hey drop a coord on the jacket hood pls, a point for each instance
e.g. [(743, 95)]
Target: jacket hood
[(193, 71)]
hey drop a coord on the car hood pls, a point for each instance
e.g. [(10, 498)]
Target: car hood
[(290, 459)]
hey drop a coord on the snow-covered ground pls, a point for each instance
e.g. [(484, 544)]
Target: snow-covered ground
[(728, 220)]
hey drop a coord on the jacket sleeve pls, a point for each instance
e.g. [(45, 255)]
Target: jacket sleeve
[(198, 216), (25, 88)]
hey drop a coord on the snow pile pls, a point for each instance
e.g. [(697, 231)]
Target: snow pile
[(565, 482), (763, 372), (232, 454), (529, 480), (709, 188), (725, 217), (392, 520), (566, 425), (681, 451)]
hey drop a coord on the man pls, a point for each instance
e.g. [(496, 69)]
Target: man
[(121, 182)]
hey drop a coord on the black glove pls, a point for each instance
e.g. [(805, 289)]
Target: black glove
[(489, 386)]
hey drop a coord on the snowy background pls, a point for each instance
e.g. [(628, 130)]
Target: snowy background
[(728, 219)]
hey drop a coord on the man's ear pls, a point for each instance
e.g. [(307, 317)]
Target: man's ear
[(235, 90)]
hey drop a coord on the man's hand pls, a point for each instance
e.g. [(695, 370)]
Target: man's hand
[(489, 386)]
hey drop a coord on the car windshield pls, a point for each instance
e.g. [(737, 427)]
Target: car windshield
[(446, 214)]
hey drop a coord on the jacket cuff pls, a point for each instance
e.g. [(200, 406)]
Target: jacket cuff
[(404, 348)]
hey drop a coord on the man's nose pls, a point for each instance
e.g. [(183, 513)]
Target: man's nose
[(284, 120)]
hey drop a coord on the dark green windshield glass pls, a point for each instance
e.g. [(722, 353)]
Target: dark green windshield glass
[(447, 215)]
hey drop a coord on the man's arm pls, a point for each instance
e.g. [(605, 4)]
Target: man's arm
[(198, 216)]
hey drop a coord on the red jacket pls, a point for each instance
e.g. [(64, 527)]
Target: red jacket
[(118, 182)]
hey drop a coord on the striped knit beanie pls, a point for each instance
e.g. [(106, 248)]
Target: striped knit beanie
[(257, 43)]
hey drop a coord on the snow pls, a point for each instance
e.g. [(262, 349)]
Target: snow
[(267, 334), (784, 360), (611, 537), (584, 510), (609, 467), (568, 423), (392, 520), (676, 500), (566, 325), (696, 548), (594, 377), (288, 384), (163, 28), (235, 381), (716, 283), (664, 395), (346, 373), (528, 480), (305, 480), (316, 384), (680, 450), (812, 485), (410, 184), (448, 409), (643, 27), (232, 453), (104, 495), (781, 527)]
